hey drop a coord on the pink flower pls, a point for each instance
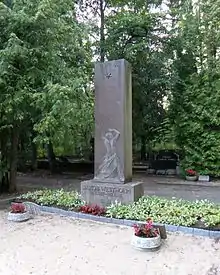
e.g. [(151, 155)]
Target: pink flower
[(146, 230)]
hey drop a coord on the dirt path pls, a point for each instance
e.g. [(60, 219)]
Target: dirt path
[(56, 245)]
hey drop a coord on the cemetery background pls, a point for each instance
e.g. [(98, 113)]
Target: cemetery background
[(47, 98), (47, 101), (175, 80)]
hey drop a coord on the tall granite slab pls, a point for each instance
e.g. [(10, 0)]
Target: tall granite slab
[(113, 118), (113, 136)]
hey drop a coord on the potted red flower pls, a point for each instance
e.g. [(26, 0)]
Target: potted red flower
[(18, 212), (146, 236), (191, 175)]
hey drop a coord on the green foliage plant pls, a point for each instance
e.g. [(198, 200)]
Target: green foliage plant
[(165, 211)]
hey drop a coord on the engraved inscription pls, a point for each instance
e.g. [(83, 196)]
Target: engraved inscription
[(107, 191), (110, 167), (110, 67), (108, 75), (117, 64)]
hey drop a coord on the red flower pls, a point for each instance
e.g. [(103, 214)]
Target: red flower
[(92, 209), (149, 224), (17, 207), (191, 172), (136, 230)]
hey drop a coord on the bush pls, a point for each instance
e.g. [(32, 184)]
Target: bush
[(161, 210), (165, 211), (69, 200), (93, 210)]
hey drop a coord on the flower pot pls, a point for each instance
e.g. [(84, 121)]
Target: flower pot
[(191, 178), (146, 243), (18, 217)]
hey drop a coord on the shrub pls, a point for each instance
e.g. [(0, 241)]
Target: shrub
[(93, 209), (161, 210), (69, 200), (165, 211)]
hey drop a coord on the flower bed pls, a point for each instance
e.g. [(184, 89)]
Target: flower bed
[(68, 200), (174, 211), (201, 214)]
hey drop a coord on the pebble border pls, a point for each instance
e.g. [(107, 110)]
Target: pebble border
[(169, 228)]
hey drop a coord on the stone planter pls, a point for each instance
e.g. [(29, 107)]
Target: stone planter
[(18, 217), (146, 243), (191, 178), (204, 178)]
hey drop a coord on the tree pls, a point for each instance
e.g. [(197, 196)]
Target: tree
[(44, 73), (194, 109), (137, 35), (98, 9)]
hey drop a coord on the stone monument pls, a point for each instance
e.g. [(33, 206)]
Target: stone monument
[(113, 137)]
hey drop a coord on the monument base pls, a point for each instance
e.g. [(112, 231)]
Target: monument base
[(103, 194)]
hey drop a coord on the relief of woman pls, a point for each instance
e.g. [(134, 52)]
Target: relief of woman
[(110, 168)]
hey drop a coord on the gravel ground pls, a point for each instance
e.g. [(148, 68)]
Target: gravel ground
[(57, 245)]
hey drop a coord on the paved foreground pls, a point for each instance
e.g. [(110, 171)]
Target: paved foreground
[(55, 245)]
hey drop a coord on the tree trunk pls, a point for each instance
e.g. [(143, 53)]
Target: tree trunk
[(51, 157), (4, 180), (34, 153), (13, 158), (4, 184), (143, 148), (34, 157), (21, 165), (102, 31)]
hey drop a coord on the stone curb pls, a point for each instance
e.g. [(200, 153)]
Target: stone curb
[(196, 183), (170, 228), (5, 200)]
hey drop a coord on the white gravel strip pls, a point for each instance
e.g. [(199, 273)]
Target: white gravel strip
[(55, 245)]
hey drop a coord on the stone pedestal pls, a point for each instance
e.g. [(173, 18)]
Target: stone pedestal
[(103, 194)]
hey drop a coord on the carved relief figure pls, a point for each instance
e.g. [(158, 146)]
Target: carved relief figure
[(110, 168)]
